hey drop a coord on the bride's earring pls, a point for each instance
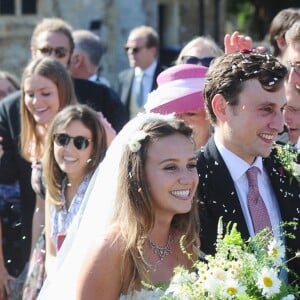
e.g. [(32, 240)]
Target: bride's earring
[(89, 160)]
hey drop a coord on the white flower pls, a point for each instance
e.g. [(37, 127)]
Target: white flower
[(232, 289), (277, 251), (269, 282), (297, 168), (235, 272), (180, 279), (134, 142), (214, 280)]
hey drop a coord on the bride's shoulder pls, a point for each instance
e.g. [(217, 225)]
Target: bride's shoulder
[(111, 244)]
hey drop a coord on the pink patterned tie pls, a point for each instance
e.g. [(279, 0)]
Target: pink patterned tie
[(256, 205)]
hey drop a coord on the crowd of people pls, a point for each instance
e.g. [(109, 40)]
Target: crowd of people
[(99, 181)]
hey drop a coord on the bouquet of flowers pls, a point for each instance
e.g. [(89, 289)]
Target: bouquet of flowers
[(289, 157), (239, 270)]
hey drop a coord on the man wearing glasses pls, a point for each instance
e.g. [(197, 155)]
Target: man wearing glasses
[(134, 84), (53, 37)]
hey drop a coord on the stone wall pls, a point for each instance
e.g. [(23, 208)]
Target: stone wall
[(117, 18)]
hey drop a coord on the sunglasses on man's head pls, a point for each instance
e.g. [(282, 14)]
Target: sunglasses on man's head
[(63, 139), (59, 52), (134, 50), (205, 61)]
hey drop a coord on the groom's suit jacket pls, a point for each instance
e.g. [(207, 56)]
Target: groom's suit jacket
[(218, 197)]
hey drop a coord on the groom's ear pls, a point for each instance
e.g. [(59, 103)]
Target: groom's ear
[(219, 106)]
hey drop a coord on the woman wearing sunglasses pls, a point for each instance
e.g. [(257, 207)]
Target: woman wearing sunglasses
[(75, 145), (199, 51)]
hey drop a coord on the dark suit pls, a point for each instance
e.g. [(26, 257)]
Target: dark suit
[(125, 83), (218, 197), (102, 98), (13, 167)]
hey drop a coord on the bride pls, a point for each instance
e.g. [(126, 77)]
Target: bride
[(139, 204)]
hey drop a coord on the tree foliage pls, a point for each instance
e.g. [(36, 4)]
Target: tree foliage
[(254, 17)]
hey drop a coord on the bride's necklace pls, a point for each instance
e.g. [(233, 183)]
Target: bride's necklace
[(164, 251)]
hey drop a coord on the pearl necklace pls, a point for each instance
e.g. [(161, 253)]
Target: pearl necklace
[(162, 252)]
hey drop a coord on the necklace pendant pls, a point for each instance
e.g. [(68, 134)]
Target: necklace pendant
[(162, 252)]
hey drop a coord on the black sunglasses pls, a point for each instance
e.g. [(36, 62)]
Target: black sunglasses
[(63, 139), (134, 50), (59, 52), (205, 61)]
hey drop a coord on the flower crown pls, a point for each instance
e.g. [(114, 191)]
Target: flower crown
[(135, 141)]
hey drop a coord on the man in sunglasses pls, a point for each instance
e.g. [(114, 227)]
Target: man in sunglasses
[(134, 84), (53, 37)]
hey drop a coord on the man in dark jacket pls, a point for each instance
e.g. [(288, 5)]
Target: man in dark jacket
[(244, 98), (134, 84)]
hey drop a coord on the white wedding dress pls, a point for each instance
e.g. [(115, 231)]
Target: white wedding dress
[(143, 295)]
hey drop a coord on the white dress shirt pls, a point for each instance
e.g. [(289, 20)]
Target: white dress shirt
[(147, 79), (237, 168), (147, 76)]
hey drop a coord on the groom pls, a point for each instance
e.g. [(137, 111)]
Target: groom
[(244, 100)]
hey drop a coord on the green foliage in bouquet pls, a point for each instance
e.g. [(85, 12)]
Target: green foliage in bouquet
[(288, 157), (239, 270)]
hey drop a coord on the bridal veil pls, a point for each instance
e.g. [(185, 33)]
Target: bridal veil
[(94, 215)]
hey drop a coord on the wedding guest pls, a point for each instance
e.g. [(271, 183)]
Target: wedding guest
[(180, 91), (4, 275), (15, 170), (75, 145), (292, 113), (86, 57), (199, 51), (280, 24), (46, 89), (8, 83), (134, 84), (11, 260), (244, 99), (53, 37), (291, 56)]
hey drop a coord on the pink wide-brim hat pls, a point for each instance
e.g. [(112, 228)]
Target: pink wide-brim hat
[(180, 89)]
